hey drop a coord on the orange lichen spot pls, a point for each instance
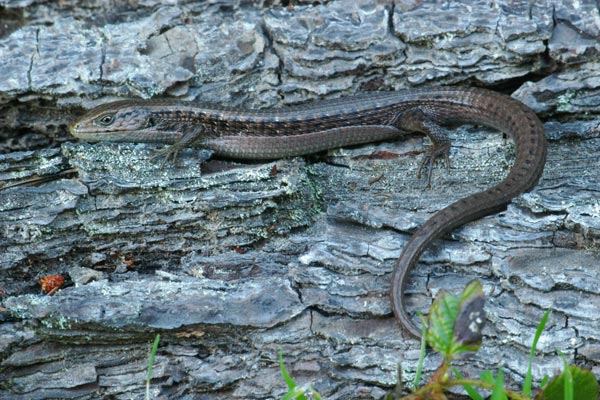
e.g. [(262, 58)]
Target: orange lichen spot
[(239, 250), (51, 283)]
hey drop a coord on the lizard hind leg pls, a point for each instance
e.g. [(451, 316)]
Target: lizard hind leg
[(416, 120)]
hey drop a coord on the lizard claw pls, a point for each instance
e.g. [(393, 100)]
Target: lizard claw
[(188, 136), (435, 152), (167, 152)]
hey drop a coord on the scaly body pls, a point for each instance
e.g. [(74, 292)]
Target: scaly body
[(376, 116)]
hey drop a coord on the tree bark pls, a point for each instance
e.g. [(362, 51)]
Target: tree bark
[(231, 262)]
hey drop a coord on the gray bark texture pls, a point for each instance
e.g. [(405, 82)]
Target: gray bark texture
[(236, 261)]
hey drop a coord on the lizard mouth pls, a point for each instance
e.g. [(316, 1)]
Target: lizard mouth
[(76, 130)]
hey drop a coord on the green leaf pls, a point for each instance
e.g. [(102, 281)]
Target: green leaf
[(472, 290), (536, 338), (441, 323), (455, 323), (584, 386), (473, 394)]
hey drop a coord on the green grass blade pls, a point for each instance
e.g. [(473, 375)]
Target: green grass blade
[(290, 395), (545, 380), (498, 392), (536, 338), (568, 379), (473, 394), (422, 353), (150, 364), (294, 392), (315, 394), (487, 376), (286, 376)]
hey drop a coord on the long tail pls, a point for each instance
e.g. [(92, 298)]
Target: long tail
[(519, 122)]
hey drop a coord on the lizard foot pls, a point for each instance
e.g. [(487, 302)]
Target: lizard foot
[(432, 154), (168, 152)]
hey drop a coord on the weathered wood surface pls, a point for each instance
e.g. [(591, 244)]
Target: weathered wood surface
[(237, 261)]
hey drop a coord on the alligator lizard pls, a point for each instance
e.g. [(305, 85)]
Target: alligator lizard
[(376, 116)]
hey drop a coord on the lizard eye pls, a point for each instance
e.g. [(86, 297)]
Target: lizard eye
[(105, 120)]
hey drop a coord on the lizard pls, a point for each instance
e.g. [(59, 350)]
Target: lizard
[(318, 126)]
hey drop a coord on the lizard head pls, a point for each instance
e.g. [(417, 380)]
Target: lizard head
[(121, 121)]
